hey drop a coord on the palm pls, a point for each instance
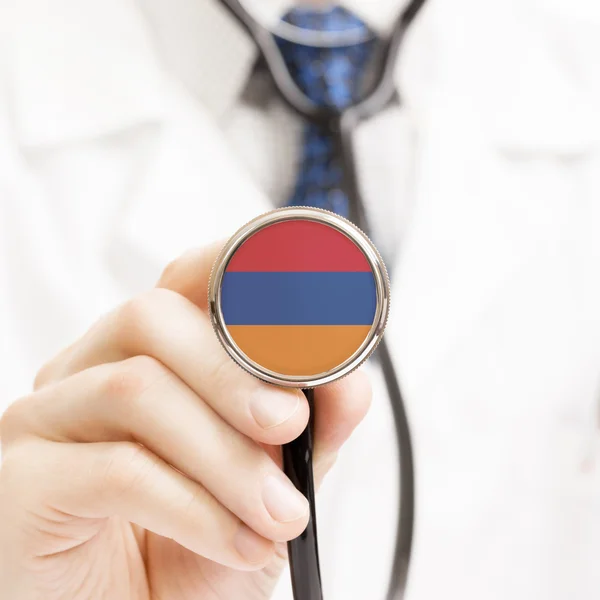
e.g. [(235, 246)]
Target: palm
[(123, 562), (172, 567)]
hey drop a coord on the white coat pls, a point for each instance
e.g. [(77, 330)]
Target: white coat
[(128, 133)]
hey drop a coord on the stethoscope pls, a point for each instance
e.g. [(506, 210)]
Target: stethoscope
[(304, 561)]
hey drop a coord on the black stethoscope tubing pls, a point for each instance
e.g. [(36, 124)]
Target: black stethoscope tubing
[(304, 559)]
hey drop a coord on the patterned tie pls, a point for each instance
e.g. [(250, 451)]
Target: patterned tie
[(330, 77)]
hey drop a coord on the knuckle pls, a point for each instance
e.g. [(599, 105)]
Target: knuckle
[(137, 319), (50, 370), (130, 379), (133, 318), (43, 375), (12, 420), (126, 467), (171, 271), (145, 367)]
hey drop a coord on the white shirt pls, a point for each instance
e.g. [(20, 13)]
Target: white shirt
[(128, 133)]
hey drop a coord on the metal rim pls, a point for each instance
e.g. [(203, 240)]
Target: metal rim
[(345, 227)]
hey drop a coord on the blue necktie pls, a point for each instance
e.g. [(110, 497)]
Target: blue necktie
[(330, 77)]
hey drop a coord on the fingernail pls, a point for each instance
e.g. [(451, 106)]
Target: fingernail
[(283, 501), (274, 407), (251, 547)]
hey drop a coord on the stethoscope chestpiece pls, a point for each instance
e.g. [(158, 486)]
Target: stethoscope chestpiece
[(299, 297)]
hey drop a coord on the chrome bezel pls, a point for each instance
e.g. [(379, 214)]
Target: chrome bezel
[(344, 226)]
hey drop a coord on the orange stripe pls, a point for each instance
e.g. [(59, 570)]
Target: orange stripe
[(299, 349)]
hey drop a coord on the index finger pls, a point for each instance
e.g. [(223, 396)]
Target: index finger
[(188, 275)]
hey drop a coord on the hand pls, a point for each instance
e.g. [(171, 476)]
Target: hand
[(145, 464)]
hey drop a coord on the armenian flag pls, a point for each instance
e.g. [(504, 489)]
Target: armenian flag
[(298, 297)]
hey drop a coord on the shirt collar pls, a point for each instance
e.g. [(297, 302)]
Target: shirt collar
[(378, 14), (213, 55), (85, 68)]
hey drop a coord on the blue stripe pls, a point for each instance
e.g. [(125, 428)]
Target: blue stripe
[(298, 298)]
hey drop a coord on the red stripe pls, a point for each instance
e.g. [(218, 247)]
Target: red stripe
[(298, 246)]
